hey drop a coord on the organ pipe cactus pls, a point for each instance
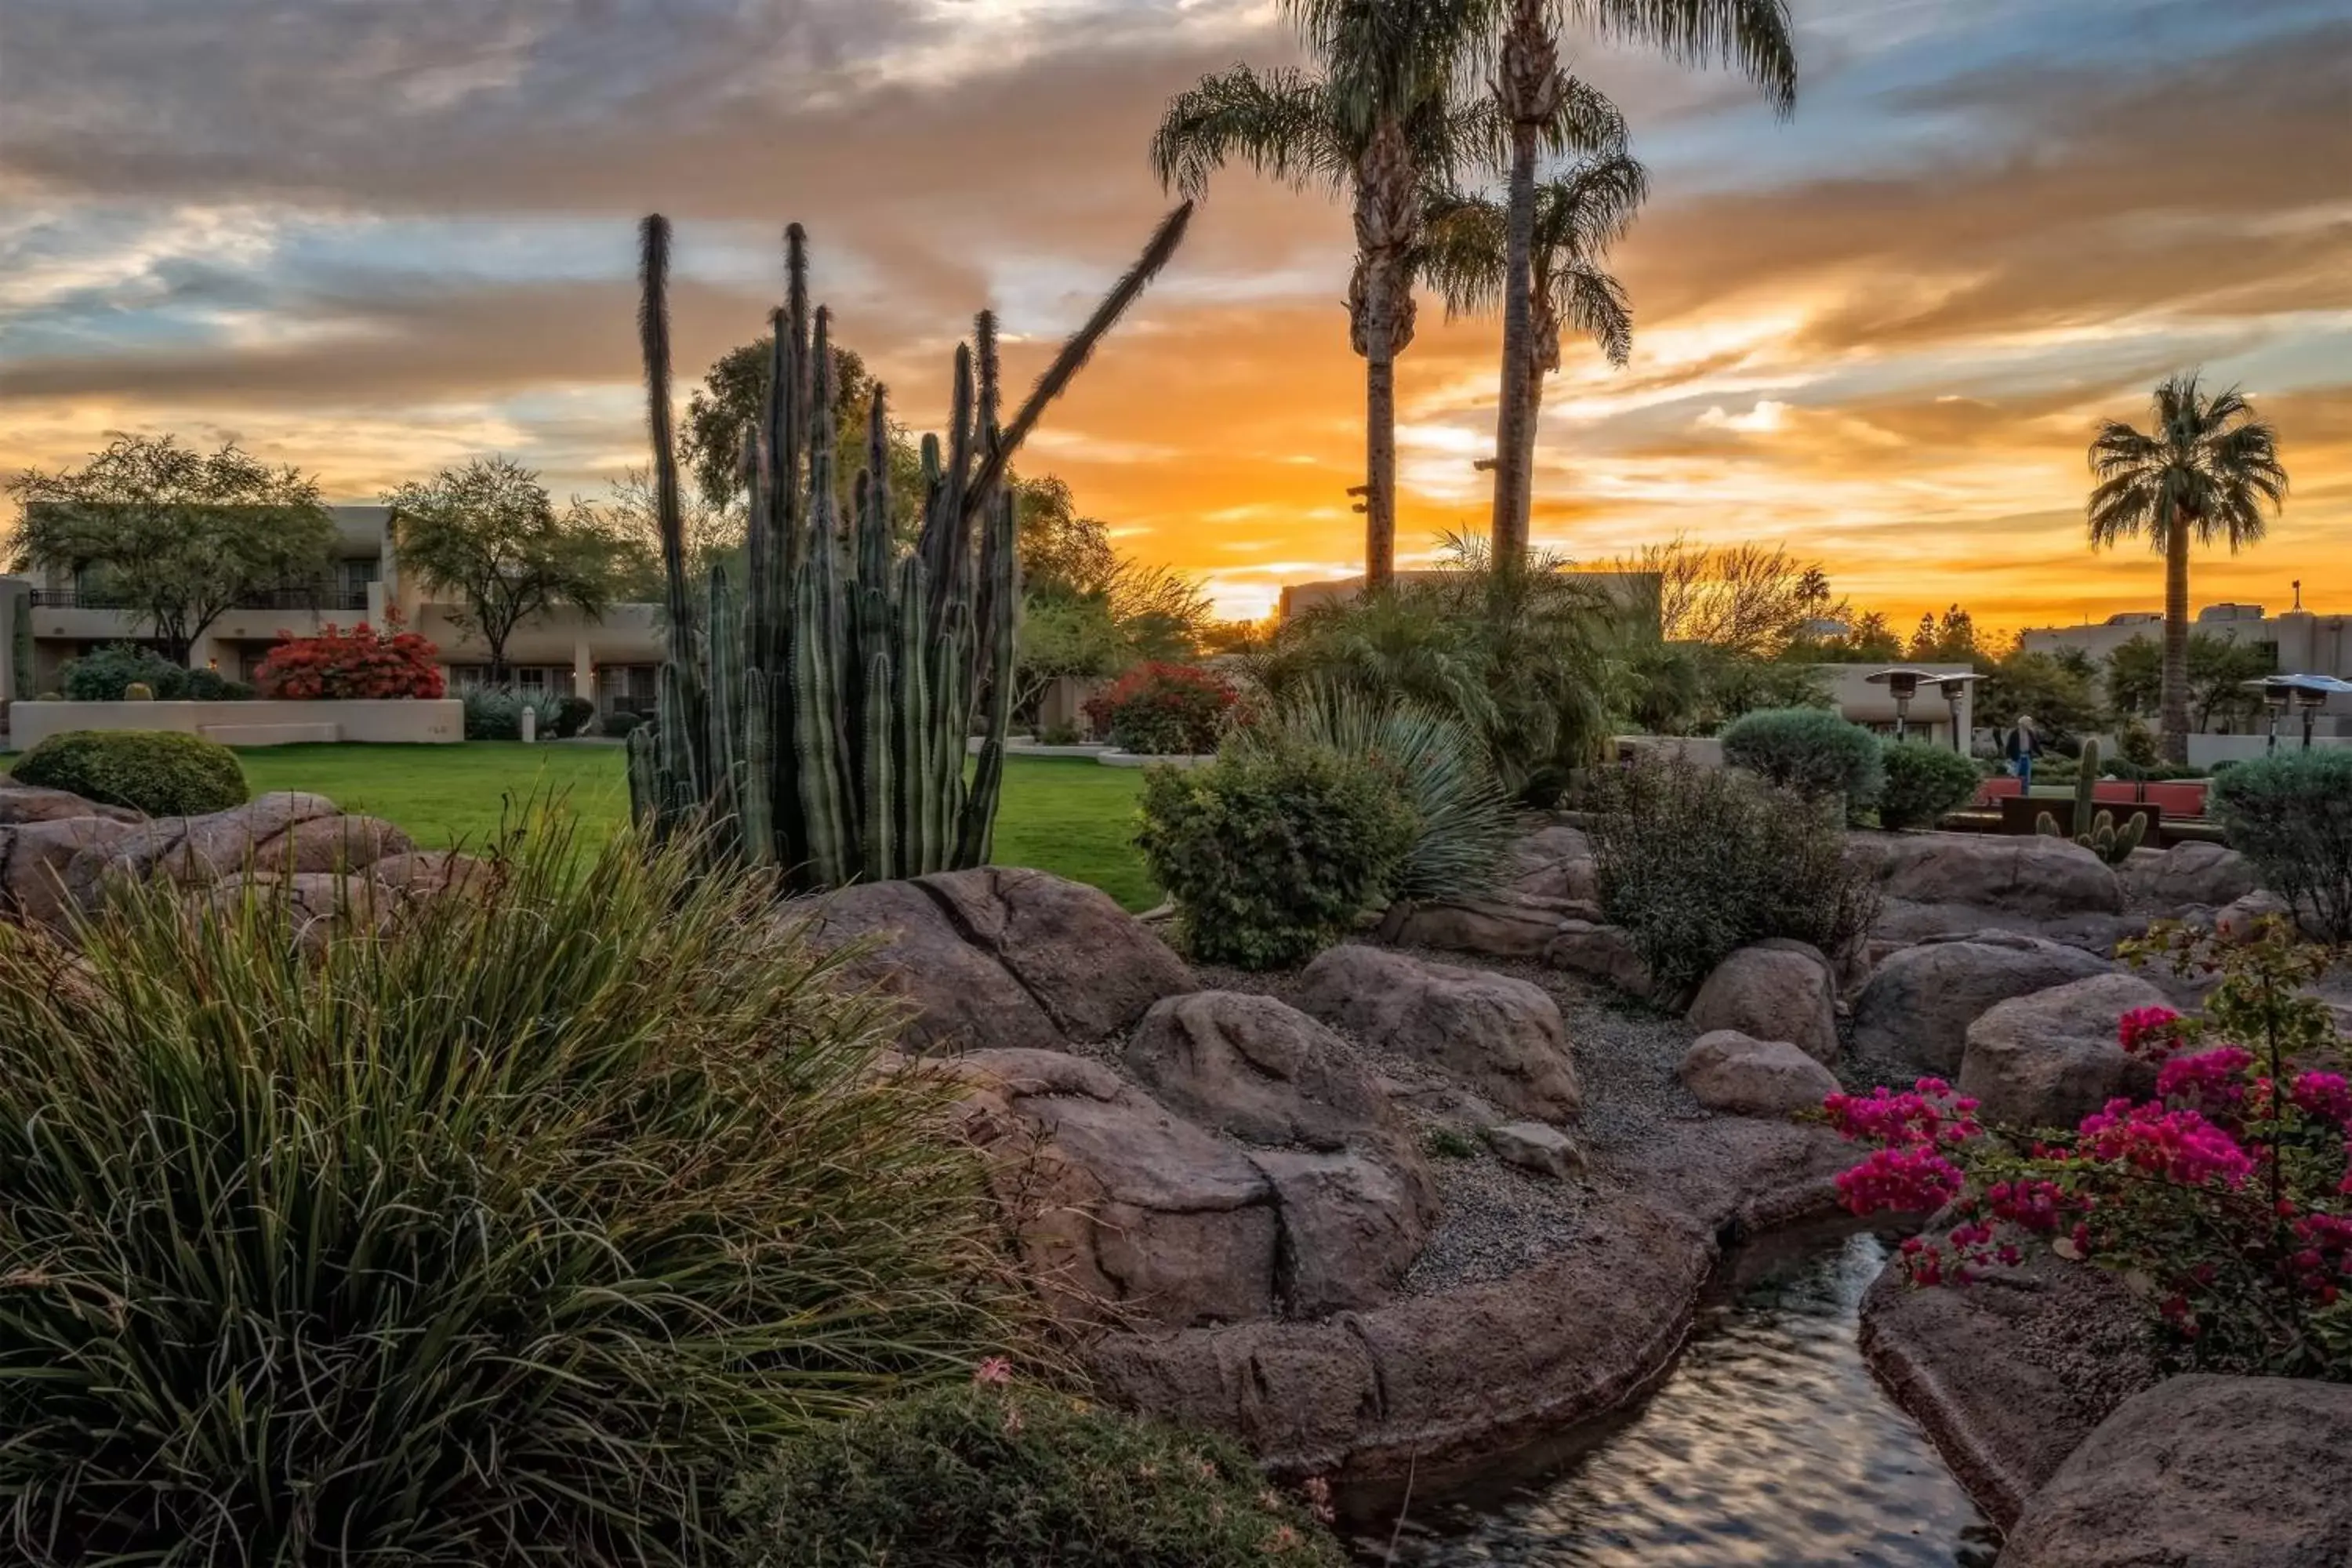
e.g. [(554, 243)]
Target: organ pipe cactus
[(2099, 833), (814, 715)]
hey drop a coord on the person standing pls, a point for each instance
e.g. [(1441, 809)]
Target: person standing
[(2021, 746)]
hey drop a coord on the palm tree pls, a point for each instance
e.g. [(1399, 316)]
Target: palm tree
[(1581, 211), (1384, 119), (2204, 474), (1529, 90)]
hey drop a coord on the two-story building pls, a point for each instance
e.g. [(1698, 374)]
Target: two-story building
[(2300, 641), (609, 659)]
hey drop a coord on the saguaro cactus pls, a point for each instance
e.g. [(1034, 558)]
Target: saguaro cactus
[(815, 717)]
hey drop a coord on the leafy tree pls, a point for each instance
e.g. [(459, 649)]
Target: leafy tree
[(488, 532), (1948, 638), (2058, 693), (2206, 472), (1580, 212), (1744, 598), (1061, 551), (179, 536), (731, 401), (1382, 121), (1866, 639), (2219, 668), (1530, 91)]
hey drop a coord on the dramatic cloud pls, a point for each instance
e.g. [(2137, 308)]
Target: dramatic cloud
[(372, 238)]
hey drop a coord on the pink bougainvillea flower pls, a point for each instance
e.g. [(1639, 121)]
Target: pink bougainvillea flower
[(2178, 1145), (995, 1370), (2214, 1079), (2151, 1030)]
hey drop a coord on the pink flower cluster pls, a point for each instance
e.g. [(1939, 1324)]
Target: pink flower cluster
[(1915, 1180), (2326, 1256), (2033, 1204), (2214, 1079), (2178, 1145), (1928, 1115), (2325, 1095), (2148, 1031)]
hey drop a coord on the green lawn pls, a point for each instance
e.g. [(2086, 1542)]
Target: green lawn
[(1070, 816)]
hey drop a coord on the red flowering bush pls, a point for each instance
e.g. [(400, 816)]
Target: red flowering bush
[(2225, 1203), (1164, 709), (362, 662)]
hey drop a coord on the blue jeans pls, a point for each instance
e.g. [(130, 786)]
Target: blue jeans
[(2023, 768)]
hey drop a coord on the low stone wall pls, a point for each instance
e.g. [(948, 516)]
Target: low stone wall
[(389, 720)]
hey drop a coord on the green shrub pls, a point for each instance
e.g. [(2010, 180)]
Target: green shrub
[(159, 771), (1809, 750), (507, 1237), (571, 716), (998, 1478), (107, 674), (1695, 863), (495, 713), (1164, 709), (2291, 815), (1269, 856), (1464, 822), (620, 722), (1923, 783)]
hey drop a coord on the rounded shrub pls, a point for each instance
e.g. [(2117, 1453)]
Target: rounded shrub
[(998, 1478), (159, 771), (571, 716), (507, 1234), (1924, 782), (1164, 709), (108, 674), (620, 722), (1270, 853), (1810, 750), (2291, 815)]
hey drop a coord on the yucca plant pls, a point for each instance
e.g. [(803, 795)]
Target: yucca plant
[(1465, 821), (501, 1236), (816, 715)]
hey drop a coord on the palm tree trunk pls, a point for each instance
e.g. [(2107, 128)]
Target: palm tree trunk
[(2176, 640), (1528, 86), (1380, 458)]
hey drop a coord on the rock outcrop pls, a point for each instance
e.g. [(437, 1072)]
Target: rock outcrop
[(2201, 1472), (2187, 877), (1776, 990), (1257, 1068), (1740, 1075), (2050, 1058), (997, 958), (1500, 1036), (1916, 1008)]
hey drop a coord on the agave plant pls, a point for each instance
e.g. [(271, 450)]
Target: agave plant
[(1467, 821), (815, 716)]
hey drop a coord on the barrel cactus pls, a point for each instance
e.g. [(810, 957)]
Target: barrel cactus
[(814, 715)]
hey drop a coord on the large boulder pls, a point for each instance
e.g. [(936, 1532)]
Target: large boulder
[(2025, 874), (1499, 926), (998, 958), (30, 802), (2201, 1471), (2050, 1058), (2186, 877), (1554, 863), (2010, 1373), (1351, 1227), (1501, 1037), (36, 858), (1125, 1213), (1603, 952), (1916, 1006), (1257, 1068), (1538, 1148), (1742, 1076), (1775, 990)]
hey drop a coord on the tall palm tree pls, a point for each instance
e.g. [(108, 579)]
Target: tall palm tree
[(1581, 211), (1529, 87), (2204, 473), (1388, 117)]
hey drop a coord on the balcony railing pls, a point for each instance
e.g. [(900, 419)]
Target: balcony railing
[(272, 599)]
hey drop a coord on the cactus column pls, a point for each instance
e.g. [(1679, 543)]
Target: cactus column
[(815, 716)]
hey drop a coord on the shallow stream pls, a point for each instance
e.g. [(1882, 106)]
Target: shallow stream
[(1767, 1445)]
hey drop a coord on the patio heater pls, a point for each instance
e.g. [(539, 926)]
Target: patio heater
[(1955, 689), (2275, 698), (2306, 693), (1902, 684)]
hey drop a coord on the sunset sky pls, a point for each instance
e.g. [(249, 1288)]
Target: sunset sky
[(373, 238)]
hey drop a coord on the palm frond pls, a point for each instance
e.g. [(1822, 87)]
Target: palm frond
[(1752, 36), (1278, 122)]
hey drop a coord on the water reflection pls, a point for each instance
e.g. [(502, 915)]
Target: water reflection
[(1768, 1444)]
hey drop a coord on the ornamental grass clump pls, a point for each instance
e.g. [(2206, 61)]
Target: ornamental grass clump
[(1001, 1475), (502, 1236), (2224, 1203)]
